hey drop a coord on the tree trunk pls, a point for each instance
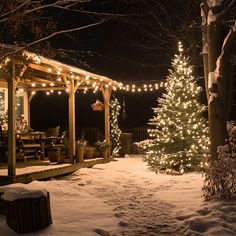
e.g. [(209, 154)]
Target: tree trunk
[(216, 90), (204, 11), (217, 45)]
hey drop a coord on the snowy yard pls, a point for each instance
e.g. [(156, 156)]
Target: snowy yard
[(123, 197)]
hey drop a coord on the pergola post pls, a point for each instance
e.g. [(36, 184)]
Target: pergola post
[(29, 95), (12, 124), (71, 94), (106, 92)]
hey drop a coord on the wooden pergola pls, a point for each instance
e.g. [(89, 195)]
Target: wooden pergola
[(33, 73)]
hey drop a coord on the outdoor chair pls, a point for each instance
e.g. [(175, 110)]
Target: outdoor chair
[(54, 141), (53, 132), (52, 136)]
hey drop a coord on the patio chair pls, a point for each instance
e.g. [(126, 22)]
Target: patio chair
[(53, 132), (52, 136), (54, 141)]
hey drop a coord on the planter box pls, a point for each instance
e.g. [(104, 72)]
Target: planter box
[(104, 152), (89, 152), (56, 156)]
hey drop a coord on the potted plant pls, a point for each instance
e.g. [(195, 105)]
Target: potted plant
[(103, 147), (57, 153), (80, 148), (89, 152)]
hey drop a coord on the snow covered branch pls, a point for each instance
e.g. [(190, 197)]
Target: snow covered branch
[(226, 49)]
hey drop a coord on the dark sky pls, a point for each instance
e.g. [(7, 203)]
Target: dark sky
[(120, 50), (50, 111)]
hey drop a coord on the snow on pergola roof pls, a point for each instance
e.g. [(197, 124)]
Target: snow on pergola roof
[(37, 73)]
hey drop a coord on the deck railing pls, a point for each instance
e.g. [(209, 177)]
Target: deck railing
[(89, 134), (93, 134)]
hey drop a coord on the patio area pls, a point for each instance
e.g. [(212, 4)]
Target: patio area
[(32, 73)]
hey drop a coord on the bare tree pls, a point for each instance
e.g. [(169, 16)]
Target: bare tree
[(156, 28), (35, 24)]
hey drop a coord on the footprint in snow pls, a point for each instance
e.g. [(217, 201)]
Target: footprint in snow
[(123, 223), (120, 214), (118, 208), (102, 232)]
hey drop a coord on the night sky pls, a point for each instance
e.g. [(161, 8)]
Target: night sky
[(117, 49)]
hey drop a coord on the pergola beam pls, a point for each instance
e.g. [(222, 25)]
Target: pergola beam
[(46, 89)]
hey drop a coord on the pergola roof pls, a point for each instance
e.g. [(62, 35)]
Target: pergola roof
[(37, 73), (34, 73)]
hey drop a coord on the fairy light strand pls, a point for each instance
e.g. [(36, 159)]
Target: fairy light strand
[(87, 81)]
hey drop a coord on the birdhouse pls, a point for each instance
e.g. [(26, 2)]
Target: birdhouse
[(97, 106)]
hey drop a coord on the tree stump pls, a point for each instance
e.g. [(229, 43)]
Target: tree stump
[(2, 206), (25, 215)]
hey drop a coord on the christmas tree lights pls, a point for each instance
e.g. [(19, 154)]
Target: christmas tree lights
[(179, 139), (115, 131)]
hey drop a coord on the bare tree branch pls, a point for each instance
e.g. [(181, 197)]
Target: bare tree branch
[(59, 2), (53, 35), (18, 8), (93, 12)]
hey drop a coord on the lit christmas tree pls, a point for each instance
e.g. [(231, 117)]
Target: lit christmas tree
[(180, 138), (115, 131)]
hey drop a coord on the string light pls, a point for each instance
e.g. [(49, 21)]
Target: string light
[(139, 86), (115, 130), (133, 86), (128, 87)]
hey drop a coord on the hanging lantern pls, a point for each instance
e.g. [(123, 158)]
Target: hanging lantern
[(97, 106)]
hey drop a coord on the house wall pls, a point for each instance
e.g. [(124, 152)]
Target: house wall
[(3, 97), (25, 109), (22, 101)]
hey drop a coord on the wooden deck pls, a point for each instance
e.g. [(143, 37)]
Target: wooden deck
[(47, 171)]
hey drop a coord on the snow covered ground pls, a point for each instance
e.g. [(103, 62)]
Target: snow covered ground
[(125, 198)]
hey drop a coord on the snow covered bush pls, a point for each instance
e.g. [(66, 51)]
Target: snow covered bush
[(220, 176)]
